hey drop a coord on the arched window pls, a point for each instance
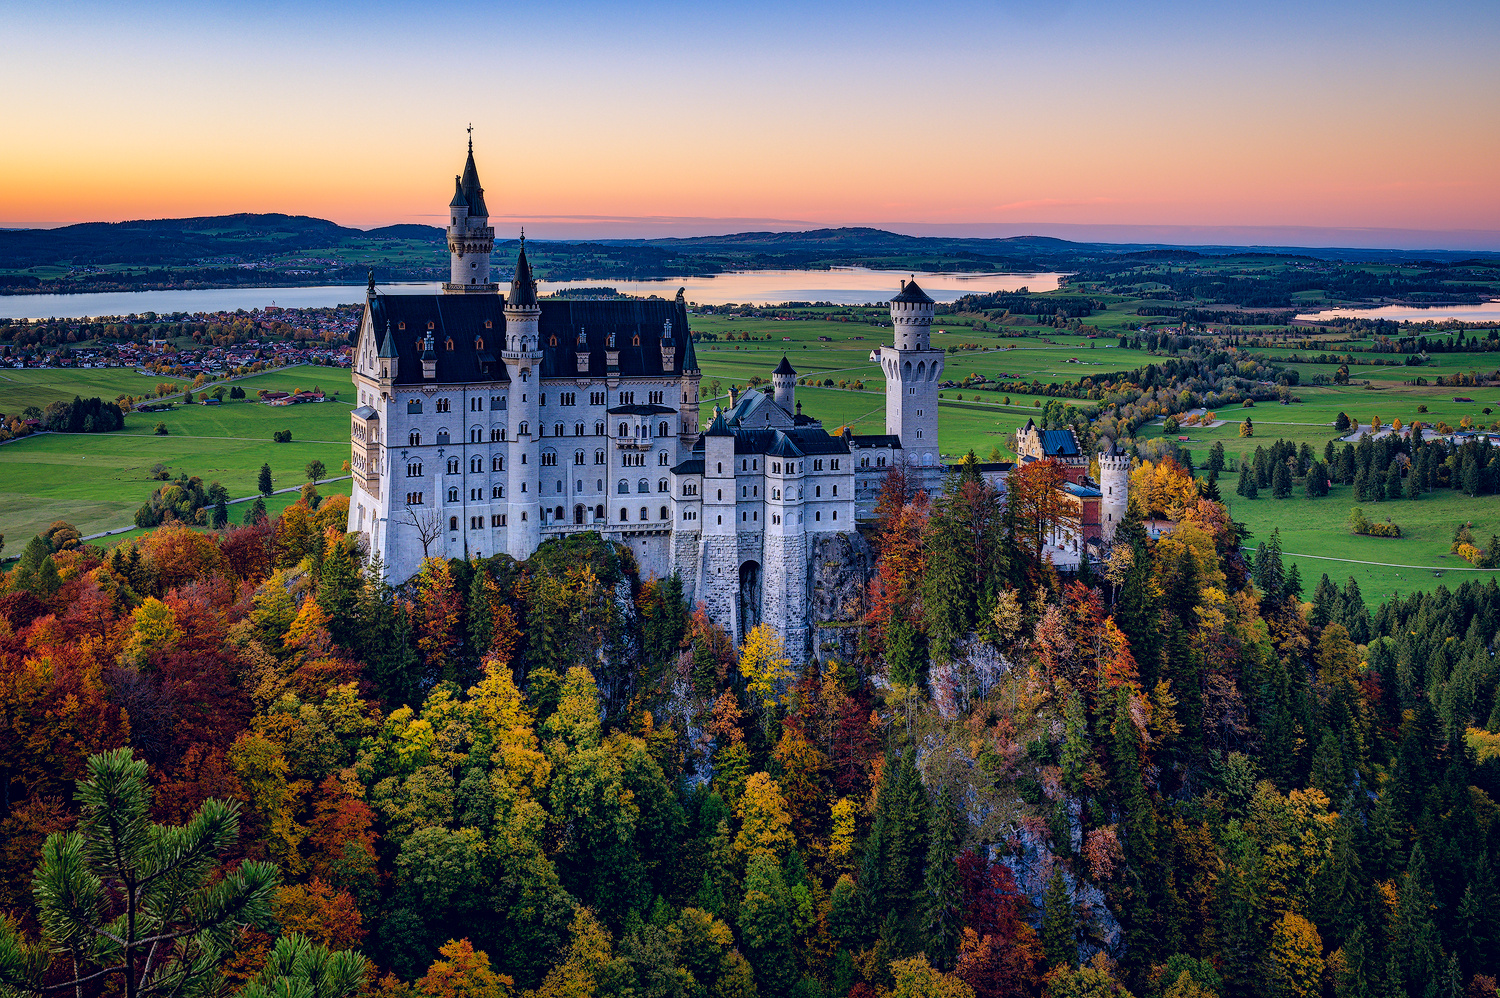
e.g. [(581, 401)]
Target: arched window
[(624, 429), (664, 513), (624, 514), (645, 514), (558, 513), (496, 434), (497, 463), (624, 488), (549, 459), (442, 437), (452, 523), (662, 429), (414, 439), (643, 486), (599, 511), (721, 469), (476, 435), (578, 457), (557, 429), (598, 457), (598, 429), (661, 485), (524, 429), (453, 495), (577, 429), (414, 407), (578, 514), (414, 469), (476, 464)]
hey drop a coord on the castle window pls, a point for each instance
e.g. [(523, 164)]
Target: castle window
[(413, 498), (452, 523), (834, 464), (442, 436), (635, 341), (549, 459), (524, 429), (479, 343), (919, 434), (663, 459), (400, 325), (552, 342), (817, 516), (497, 492), (664, 513), (414, 469), (449, 342), (476, 435), (414, 407), (663, 430), (414, 439), (497, 401), (645, 515), (598, 457), (624, 488), (578, 457), (835, 514), (596, 398), (495, 436), (476, 464), (835, 490), (642, 486), (661, 485), (656, 398), (453, 495), (624, 515), (489, 324), (624, 430), (542, 399), (721, 495), (818, 492), (497, 519), (442, 406), (557, 429), (721, 467), (453, 466), (721, 520)]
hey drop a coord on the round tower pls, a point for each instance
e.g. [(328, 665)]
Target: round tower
[(523, 359), (470, 237), (1114, 483), (911, 317), (784, 384)]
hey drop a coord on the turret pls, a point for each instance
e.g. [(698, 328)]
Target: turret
[(1114, 483), (470, 237), (784, 384), (523, 357)]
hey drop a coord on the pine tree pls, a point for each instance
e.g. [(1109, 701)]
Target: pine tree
[(263, 482), (1210, 489), (943, 917), (1281, 481), (1325, 602), (1059, 924)]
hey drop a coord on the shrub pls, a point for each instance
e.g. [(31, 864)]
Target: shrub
[(160, 430), (1360, 525), (282, 436)]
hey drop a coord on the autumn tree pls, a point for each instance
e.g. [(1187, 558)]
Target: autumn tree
[(1041, 510)]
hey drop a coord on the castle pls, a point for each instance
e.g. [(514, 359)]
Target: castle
[(487, 423)]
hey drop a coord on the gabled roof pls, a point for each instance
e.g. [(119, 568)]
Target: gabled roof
[(576, 326), (1059, 443), (784, 367), (783, 447), (875, 440), (911, 292)]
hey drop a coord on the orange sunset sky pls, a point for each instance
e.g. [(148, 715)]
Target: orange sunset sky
[(673, 118)]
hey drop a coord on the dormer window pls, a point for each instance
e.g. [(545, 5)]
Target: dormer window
[(479, 343), (552, 342), (449, 344), (400, 325), (489, 324), (430, 325), (635, 341)]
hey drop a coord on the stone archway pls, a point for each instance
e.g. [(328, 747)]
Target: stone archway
[(749, 597)]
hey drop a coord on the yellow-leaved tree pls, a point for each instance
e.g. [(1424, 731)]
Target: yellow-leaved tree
[(765, 667), (765, 825)]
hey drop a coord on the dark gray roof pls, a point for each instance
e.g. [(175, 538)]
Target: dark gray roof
[(1081, 491), (459, 201), (636, 325), (809, 442), (783, 447), (719, 428), (911, 292), (693, 467), (363, 412), (690, 358), (641, 410), (1059, 443), (876, 440), (523, 285), (473, 193), (785, 367)]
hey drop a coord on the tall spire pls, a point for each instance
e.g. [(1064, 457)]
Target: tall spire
[(523, 287), (469, 184)]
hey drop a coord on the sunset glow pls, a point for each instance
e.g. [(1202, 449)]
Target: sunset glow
[(668, 118)]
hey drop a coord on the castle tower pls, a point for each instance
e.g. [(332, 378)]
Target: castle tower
[(719, 551), (687, 409), (912, 371), (523, 359), (784, 384), (785, 574), (470, 237), (1114, 482)]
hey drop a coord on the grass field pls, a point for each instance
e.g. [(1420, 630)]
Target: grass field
[(21, 388), (1319, 528), (97, 481)]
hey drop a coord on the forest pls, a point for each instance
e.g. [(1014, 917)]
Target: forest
[(240, 763)]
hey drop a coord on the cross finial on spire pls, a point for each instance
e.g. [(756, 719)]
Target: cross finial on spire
[(471, 136)]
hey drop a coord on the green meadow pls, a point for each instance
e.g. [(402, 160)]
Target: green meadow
[(38, 387), (97, 481)]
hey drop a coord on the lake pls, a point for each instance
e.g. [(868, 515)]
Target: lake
[(1488, 312), (844, 286)]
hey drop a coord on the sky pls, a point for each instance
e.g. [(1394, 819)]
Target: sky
[(1315, 122)]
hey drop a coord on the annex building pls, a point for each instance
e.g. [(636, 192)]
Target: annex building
[(489, 421)]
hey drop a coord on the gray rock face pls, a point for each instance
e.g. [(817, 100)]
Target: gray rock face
[(838, 569)]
